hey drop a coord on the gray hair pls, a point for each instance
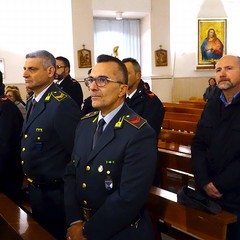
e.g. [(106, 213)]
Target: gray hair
[(47, 58)]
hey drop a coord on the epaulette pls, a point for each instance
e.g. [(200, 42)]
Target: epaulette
[(150, 93), (133, 119), (58, 95), (89, 115)]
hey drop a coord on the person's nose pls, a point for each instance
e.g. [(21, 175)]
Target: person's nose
[(93, 86)]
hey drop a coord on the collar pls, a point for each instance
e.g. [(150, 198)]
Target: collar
[(38, 97), (130, 96), (234, 100), (109, 116)]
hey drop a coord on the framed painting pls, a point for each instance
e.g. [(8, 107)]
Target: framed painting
[(211, 41), (84, 58), (161, 57)]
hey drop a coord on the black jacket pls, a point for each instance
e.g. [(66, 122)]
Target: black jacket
[(216, 150), (148, 106), (73, 88), (11, 121)]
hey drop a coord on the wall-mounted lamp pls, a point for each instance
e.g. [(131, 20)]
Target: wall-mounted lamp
[(119, 16)]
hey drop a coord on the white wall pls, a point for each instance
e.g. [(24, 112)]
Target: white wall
[(30, 25), (62, 27)]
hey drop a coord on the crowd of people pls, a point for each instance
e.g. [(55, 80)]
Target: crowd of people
[(89, 164)]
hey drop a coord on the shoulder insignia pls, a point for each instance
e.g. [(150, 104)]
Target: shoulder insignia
[(135, 120), (58, 95), (91, 114), (150, 94)]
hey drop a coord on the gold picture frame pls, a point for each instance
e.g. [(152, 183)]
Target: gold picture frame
[(161, 58), (84, 58), (211, 41)]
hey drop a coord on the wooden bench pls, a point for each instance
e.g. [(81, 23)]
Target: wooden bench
[(175, 169), (197, 111), (185, 126), (182, 220), (184, 105), (182, 116), (178, 137), (17, 224)]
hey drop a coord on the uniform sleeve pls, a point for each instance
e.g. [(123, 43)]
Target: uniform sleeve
[(66, 120)]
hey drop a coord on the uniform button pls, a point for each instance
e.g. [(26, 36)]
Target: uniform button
[(38, 138), (84, 202), (84, 185), (22, 162), (25, 135), (88, 168), (23, 149)]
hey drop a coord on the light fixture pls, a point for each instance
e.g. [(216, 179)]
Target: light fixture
[(119, 16)]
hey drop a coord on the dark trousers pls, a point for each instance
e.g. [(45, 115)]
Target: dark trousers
[(48, 209), (233, 231)]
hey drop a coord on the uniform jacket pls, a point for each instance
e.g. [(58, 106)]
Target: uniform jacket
[(48, 135), (73, 88), (126, 154), (11, 121), (146, 104), (216, 150)]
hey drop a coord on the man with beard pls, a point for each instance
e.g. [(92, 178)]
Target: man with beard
[(64, 81), (216, 148)]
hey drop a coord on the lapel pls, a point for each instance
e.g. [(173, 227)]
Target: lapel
[(107, 135), (39, 108)]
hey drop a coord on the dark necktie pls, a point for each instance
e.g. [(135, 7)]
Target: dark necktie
[(32, 105), (98, 132)]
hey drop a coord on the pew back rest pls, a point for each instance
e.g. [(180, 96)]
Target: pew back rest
[(163, 205)]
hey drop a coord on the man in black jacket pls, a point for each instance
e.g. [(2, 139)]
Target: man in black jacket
[(141, 99), (64, 81), (10, 147), (216, 148)]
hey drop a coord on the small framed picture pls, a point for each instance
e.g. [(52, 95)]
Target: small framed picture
[(161, 58), (84, 58)]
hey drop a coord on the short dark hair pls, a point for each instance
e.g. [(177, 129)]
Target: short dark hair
[(64, 60), (134, 62), (121, 65), (47, 58)]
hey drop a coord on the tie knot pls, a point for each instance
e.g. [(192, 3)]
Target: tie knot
[(101, 122), (34, 101)]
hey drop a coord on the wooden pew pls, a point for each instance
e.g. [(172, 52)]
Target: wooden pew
[(182, 116), (197, 111), (17, 224), (175, 169), (184, 105), (180, 219), (178, 125), (178, 137)]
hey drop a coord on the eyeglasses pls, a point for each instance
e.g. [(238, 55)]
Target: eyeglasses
[(58, 66), (100, 81)]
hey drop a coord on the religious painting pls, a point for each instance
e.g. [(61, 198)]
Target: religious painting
[(84, 58), (211, 40), (161, 57)]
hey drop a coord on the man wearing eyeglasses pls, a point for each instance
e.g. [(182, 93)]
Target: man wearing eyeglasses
[(108, 180), (64, 81)]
